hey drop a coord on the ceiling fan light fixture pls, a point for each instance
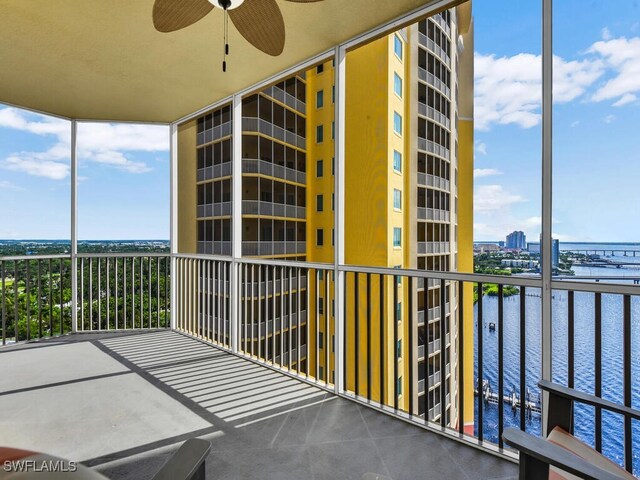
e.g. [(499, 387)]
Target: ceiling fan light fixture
[(226, 4)]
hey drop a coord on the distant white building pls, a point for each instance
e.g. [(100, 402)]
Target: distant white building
[(519, 263)]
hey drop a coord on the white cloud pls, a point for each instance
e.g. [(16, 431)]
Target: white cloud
[(487, 198), (605, 33), (626, 99), (481, 148), (104, 143), (39, 167), (609, 118), (485, 172), (508, 90), (575, 123), (622, 56)]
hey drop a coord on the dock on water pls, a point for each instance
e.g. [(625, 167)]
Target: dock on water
[(533, 404)]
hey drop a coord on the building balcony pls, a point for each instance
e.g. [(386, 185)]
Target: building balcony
[(195, 345), (221, 209), (433, 214), (215, 171), (263, 167), (265, 248), (271, 209), (426, 248), (258, 125), (429, 44), (430, 79), (286, 98), (433, 181), (214, 133), (433, 147), (433, 114)]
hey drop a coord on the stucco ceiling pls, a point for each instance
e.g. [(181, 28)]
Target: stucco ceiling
[(102, 59)]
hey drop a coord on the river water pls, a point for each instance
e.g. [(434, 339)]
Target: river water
[(612, 354)]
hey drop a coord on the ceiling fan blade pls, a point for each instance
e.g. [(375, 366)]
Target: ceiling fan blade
[(172, 15), (260, 22)]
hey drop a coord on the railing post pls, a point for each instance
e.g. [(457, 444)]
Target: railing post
[(74, 227), (547, 182), (236, 222), (173, 222), (339, 277)]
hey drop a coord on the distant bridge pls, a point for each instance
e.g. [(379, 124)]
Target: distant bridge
[(623, 253)]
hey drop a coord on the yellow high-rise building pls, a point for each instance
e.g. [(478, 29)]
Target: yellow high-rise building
[(408, 204)]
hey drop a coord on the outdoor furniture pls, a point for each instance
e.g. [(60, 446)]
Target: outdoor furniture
[(560, 455), (188, 463)]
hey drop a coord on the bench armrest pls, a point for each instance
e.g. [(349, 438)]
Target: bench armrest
[(187, 463), (537, 454), (587, 399)]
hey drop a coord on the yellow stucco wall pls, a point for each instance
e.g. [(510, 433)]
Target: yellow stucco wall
[(187, 191)]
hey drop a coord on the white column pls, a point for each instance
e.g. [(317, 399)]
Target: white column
[(546, 248), (173, 219), (340, 112), (236, 222), (74, 226)]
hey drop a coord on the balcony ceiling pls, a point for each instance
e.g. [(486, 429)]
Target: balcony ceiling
[(103, 59)]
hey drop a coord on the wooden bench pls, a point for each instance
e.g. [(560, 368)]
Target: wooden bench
[(187, 463), (560, 455)]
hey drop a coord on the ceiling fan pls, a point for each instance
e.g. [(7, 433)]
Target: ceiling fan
[(260, 22)]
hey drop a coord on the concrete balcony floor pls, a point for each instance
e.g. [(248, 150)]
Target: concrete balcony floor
[(122, 403)]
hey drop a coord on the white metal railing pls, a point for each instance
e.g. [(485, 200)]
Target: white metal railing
[(286, 98), (433, 147), (434, 181), (253, 124), (434, 47), (214, 133), (272, 209), (264, 167), (430, 79), (433, 114), (434, 214)]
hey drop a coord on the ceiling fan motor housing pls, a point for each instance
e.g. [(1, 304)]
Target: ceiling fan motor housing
[(226, 4)]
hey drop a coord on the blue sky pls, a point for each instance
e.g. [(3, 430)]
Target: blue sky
[(124, 169), (596, 118), (123, 173)]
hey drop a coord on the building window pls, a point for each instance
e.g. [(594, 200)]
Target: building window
[(319, 203), (333, 202), (399, 349), (320, 68), (319, 237), (397, 84), (333, 165), (319, 168), (320, 99), (397, 199), (399, 311), (321, 375), (333, 94), (321, 306), (399, 385), (333, 237), (319, 134), (397, 46), (398, 277), (333, 130), (397, 123), (397, 237), (397, 161)]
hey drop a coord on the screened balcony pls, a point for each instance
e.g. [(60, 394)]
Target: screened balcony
[(293, 368)]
